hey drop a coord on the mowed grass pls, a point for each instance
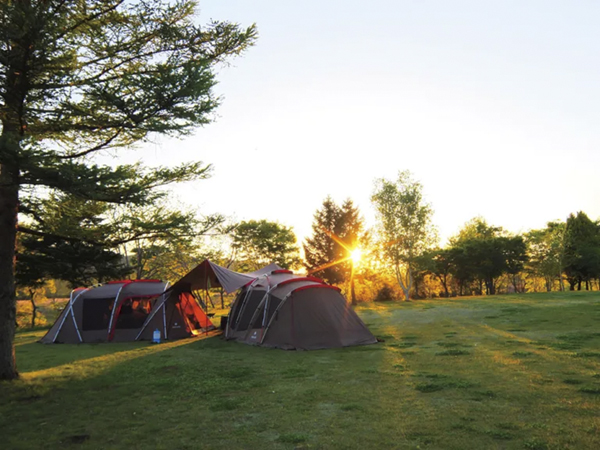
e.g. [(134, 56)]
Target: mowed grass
[(510, 372)]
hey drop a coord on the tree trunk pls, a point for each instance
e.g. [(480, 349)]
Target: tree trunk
[(9, 198), (404, 286), (352, 292), (445, 285), (33, 307), (561, 282), (490, 286), (515, 284)]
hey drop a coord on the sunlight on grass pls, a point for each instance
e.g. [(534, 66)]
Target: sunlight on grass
[(452, 376), (94, 366)]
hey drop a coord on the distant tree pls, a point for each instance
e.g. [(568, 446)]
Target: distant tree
[(70, 240), (336, 232), (582, 250), (258, 243), (422, 270), (82, 76), (515, 254), (476, 228), (484, 253), (355, 238), (463, 269), (405, 229), (440, 266), (31, 279), (158, 241), (322, 252), (545, 248)]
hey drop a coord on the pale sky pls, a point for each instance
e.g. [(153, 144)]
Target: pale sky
[(493, 106)]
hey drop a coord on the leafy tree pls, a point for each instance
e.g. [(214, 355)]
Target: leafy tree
[(82, 76), (440, 265), (405, 227), (259, 243), (582, 250), (545, 249), (157, 235), (336, 232), (484, 253), (515, 254)]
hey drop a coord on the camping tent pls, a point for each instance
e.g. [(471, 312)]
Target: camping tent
[(288, 311), (128, 310)]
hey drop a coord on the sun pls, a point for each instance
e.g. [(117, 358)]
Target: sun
[(356, 255)]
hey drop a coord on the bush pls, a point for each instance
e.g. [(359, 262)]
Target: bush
[(385, 294)]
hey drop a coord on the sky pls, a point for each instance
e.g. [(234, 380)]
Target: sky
[(493, 106)]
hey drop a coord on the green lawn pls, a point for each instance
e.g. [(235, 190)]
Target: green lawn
[(507, 372)]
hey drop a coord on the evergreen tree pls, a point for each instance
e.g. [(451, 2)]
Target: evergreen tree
[(82, 76), (69, 240), (336, 231)]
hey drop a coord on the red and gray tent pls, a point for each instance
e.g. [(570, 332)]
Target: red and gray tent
[(128, 310), (288, 311)]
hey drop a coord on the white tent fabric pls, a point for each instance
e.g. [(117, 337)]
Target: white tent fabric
[(265, 270)]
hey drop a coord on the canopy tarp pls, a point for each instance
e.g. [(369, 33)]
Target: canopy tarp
[(265, 270), (209, 275)]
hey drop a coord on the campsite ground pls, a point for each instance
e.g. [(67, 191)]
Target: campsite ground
[(520, 371)]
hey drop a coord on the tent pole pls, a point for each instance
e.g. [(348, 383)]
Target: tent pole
[(209, 298)]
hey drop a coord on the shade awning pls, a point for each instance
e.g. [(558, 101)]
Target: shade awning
[(209, 275)]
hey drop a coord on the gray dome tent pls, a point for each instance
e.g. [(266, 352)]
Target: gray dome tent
[(128, 310), (288, 311)]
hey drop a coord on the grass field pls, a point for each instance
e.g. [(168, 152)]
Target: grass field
[(510, 372)]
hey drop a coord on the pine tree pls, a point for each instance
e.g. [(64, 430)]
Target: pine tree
[(82, 76), (336, 232)]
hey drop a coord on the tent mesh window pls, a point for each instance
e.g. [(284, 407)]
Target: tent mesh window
[(260, 320), (133, 313), (96, 313), (237, 305), (273, 305), (248, 312)]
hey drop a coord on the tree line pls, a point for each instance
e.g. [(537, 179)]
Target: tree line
[(481, 259)]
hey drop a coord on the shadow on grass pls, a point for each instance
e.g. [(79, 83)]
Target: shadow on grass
[(160, 393)]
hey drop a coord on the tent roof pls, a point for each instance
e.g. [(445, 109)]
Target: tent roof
[(208, 275), (265, 270)]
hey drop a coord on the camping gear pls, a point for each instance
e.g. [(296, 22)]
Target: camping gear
[(283, 310), (128, 310)]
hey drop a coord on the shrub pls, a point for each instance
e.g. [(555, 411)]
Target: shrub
[(385, 294)]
